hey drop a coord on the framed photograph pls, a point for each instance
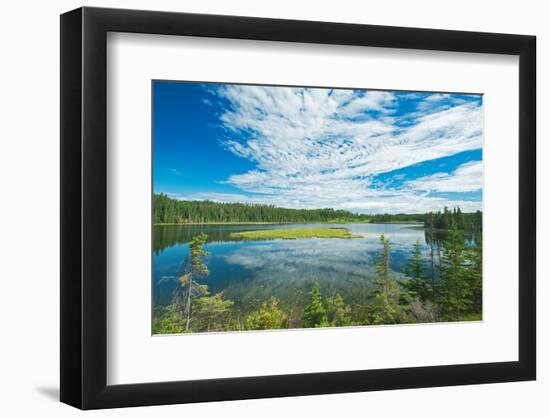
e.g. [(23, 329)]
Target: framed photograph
[(258, 208)]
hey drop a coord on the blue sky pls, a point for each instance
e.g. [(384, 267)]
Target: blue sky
[(365, 151)]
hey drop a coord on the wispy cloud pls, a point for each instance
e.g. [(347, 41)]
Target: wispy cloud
[(321, 147), (467, 177), (370, 201)]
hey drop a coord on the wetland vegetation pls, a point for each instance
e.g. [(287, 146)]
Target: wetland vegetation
[(235, 277)]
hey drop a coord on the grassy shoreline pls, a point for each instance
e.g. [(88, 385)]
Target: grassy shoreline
[(270, 234)]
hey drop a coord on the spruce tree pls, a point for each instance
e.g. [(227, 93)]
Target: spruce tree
[(195, 269), (456, 292), (315, 312), (416, 283), (340, 312), (386, 291), (474, 258)]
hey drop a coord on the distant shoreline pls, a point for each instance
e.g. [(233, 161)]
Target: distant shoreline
[(274, 223), (219, 223)]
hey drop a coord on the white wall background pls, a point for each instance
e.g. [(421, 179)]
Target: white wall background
[(29, 219)]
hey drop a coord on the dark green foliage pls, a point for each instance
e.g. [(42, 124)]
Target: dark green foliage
[(338, 313), (453, 219), (386, 294), (397, 218), (325, 311), (417, 285), (169, 211), (315, 312), (474, 258), (456, 290)]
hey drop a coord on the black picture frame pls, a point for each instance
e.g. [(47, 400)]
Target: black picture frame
[(84, 207)]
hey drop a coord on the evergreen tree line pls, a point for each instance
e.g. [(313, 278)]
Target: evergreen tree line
[(449, 289), (397, 218), (169, 211), (446, 288), (453, 219)]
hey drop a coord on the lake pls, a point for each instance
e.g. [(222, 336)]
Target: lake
[(249, 272)]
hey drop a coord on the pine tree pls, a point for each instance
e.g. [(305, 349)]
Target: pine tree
[(459, 222), (416, 283), (456, 292), (195, 269), (386, 293), (474, 258), (315, 312), (339, 312)]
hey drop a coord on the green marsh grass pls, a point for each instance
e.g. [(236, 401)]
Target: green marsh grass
[(332, 232)]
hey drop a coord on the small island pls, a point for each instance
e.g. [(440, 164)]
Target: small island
[(321, 233)]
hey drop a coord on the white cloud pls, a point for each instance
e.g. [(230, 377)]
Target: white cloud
[(370, 201), (321, 147), (379, 101), (443, 101), (467, 177)]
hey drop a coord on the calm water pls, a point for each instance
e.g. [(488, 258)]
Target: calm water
[(249, 272)]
